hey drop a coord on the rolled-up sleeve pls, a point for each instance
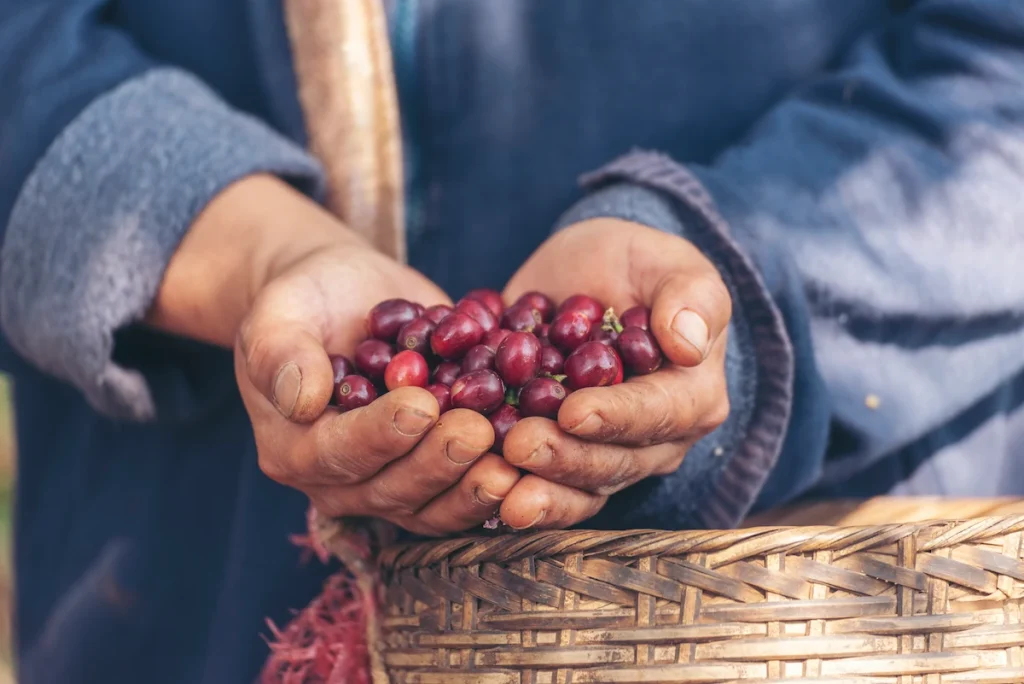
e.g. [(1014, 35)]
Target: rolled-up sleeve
[(107, 159)]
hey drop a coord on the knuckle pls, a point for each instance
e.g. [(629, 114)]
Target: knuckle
[(274, 467), (671, 464), (718, 415), (616, 474), (331, 506), (384, 499)]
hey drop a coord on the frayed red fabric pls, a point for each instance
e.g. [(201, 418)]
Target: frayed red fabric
[(326, 642)]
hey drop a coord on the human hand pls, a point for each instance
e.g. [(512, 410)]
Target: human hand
[(307, 293), (608, 438)]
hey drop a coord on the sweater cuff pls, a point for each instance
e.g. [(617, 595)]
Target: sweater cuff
[(721, 476), (100, 216)]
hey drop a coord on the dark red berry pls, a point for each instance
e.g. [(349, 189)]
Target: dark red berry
[(495, 337), (640, 316), (407, 369), (481, 391), (480, 357), (388, 317), (541, 397), (442, 394), (592, 364), (569, 330), (588, 306), (541, 302), (455, 335), (542, 332), (489, 298), (354, 391), (437, 312), (551, 360), (518, 359), (639, 350), (503, 420), (415, 335), (479, 313), (420, 310), (446, 373), (342, 367), (603, 336), (520, 318), (372, 358)]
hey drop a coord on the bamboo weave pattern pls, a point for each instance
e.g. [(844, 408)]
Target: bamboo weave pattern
[(917, 603)]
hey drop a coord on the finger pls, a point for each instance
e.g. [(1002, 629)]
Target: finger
[(673, 404), (349, 448), (537, 445), (286, 361), (689, 312), (446, 452), (536, 504), (473, 500)]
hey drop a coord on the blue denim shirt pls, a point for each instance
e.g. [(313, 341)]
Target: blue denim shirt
[(852, 168)]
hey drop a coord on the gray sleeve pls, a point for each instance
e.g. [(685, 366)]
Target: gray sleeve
[(99, 217)]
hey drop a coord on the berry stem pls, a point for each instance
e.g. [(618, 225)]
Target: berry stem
[(610, 321), (559, 378), (512, 396)]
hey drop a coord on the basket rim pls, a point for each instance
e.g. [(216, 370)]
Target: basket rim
[(722, 546)]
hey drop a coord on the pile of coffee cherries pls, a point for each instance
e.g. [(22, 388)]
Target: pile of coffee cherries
[(505, 363)]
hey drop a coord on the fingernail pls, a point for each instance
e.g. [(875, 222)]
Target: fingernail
[(692, 328), (461, 454), (540, 458), (536, 521), (286, 388), (412, 423), (485, 498), (588, 426)]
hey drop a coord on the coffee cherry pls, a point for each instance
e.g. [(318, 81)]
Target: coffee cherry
[(541, 397), (569, 330), (437, 312), (542, 332), (455, 335), (540, 302), (342, 367), (593, 364), (503, 420), (640, 316), (388, 317), (443, 396), (489, 298), (415, 335), (481, 391), (372, 358), (479, 313), (639, 350), (420, 309), (518, 359), (551, 360), (588, 306), (599, 334), (520, 318), (494, 338), (480, 357), (354, 391), (406, 369), (446, 373)]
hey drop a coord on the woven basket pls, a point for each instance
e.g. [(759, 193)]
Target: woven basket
[(910, 603)]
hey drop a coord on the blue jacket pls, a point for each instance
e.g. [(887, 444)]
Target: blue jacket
[(853, 168)]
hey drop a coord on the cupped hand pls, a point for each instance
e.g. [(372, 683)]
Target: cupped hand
[(267, 270), (608, 438), (394, 459)]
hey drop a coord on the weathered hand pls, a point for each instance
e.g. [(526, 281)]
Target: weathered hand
[(608, 438), (268, 269)]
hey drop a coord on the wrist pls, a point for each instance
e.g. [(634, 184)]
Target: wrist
[(249, 232)]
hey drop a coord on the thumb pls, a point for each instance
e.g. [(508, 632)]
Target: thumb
[(690, 311), (287, 363)]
